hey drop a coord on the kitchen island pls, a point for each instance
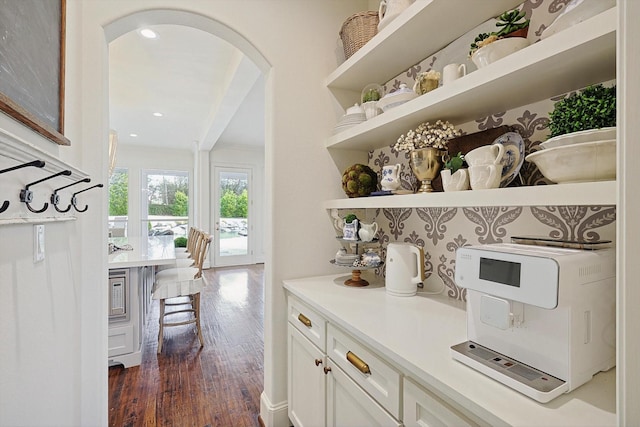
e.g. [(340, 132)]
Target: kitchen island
[(132, 266), (413, 336)]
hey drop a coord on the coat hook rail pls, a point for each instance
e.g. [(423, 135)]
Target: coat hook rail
[(74, 200), (26, 195), (55, 197), (35, 163)]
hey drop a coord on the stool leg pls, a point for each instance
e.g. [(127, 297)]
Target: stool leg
[(161, 321), (196, 308)]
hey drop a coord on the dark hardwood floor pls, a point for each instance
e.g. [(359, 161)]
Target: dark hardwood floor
[(218, 385)]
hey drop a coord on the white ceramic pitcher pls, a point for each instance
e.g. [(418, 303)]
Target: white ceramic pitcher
[(368, 232), (390, 9), (390, 177), (458, 181), (453, 72), (405, 269)]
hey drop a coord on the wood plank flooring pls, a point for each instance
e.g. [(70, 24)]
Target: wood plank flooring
[(218, 385)]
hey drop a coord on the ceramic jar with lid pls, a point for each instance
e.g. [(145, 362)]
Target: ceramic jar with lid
[(371, 258), (397, 97)]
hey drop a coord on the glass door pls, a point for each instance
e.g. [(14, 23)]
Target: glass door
[(232, 226)]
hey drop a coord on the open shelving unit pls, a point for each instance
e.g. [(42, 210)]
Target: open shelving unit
[(568, 60)]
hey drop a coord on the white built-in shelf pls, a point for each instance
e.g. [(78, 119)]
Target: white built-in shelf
[(588, 193), (36, 220), (419, 31), (574, 58)]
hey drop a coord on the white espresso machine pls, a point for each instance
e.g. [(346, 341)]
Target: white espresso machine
[(539, 319)]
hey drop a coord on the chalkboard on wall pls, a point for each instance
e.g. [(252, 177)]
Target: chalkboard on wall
[(32, 41)]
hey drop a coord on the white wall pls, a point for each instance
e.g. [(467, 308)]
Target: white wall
[(53, 318), (54, 322), (628, 220)]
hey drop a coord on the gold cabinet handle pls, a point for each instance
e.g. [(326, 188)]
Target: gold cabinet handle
[(327, 370), (305, 320), (318, 362), (358, 363)]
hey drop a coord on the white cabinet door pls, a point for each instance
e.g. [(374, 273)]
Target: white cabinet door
[(424, 409), (307, 385), (348, 405)]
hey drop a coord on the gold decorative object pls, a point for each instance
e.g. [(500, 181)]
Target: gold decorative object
[(426, 82), (426, 164)]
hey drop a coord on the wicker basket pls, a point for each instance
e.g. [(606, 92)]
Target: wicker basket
[(357, 30)]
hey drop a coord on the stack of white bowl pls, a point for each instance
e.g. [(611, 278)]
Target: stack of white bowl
[(585, 156), (354, 116)]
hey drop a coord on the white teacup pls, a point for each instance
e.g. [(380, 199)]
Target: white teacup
[(453, 72), (485, 176), (485, 155)]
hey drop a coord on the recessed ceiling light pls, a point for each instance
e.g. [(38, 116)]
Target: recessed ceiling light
[(157, 114), (133, 135), (148, 33)]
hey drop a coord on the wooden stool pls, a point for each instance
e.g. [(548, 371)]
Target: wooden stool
[(181, 282)]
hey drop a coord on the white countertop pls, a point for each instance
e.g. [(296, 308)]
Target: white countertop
[(156, 250), (415, 333)]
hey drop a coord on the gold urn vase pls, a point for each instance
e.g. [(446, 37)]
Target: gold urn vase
[(426, 164)]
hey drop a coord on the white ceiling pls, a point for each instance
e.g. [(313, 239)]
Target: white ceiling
[(206, 89)]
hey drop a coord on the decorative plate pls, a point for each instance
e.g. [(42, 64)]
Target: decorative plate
[(513, 156)]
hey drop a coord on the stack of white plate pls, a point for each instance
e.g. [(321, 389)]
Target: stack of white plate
[(346, 259), (349, 120), (584, 156)]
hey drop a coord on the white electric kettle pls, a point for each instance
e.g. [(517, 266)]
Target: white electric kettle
[(405, 269)]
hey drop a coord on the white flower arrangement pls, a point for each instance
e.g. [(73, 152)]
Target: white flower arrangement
[(427, 135)]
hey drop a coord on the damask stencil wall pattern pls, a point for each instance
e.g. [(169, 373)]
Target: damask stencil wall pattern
[(442, 230)]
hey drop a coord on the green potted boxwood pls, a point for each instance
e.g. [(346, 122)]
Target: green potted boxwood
[(582, 147), (592, 108)]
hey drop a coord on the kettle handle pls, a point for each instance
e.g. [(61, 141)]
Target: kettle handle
[(419, 252)]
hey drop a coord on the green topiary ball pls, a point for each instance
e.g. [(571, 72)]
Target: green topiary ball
[(180, 242), (359, 181)]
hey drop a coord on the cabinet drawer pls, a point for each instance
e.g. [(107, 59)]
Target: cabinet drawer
[(423, 408), (120, 340), (308, 322), (367, 369), (349, 406)]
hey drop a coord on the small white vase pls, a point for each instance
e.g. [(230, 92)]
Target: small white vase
[(458, 181)]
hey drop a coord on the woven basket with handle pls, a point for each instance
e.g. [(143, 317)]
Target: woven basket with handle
[(357, 30)]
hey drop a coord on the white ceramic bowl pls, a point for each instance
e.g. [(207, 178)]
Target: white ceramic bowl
[(498, 50), (590, 135), (590, 161)]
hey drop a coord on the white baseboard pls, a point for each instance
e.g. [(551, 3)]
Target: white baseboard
[(273, 415)]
